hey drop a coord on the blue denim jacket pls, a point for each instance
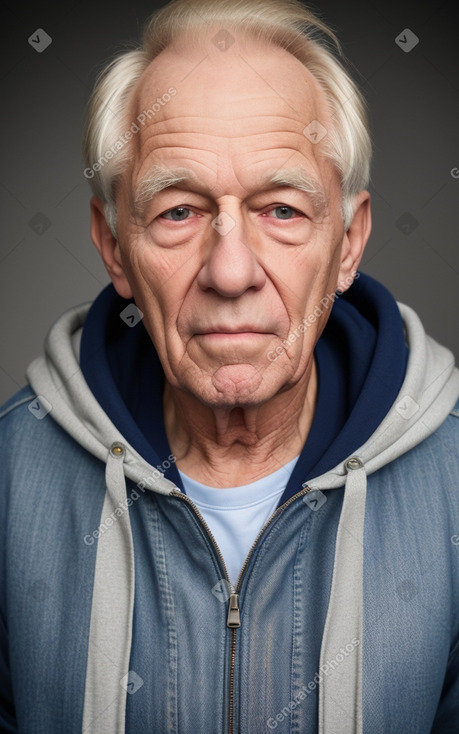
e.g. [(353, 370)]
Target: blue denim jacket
[(188, 670)]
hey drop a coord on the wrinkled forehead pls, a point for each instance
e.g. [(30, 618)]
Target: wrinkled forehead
[(244, 100), (244, 70)]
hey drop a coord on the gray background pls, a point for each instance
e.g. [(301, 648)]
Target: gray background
[(414, 107)]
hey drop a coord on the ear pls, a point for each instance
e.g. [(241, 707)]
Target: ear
[(108, 247), (355, 240)]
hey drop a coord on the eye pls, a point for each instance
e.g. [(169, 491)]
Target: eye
[(282, 211), (177, 214)]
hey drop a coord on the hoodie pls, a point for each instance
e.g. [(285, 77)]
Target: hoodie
[(376, 405)]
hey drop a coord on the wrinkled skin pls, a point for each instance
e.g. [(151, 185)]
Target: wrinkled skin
[(217, 303)]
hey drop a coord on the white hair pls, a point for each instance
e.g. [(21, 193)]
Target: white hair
[(285, 23)]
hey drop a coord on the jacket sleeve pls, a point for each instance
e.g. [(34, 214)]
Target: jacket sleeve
[(8, 723), (447, 718), (7, 714)]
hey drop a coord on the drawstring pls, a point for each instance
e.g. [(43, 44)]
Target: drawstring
[(110, 635), (340, 690)]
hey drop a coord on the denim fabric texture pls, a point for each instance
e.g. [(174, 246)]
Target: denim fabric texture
[(51, 499)]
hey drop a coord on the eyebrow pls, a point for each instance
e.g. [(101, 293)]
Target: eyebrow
[(156, 180), (160, 178), (298, 178)]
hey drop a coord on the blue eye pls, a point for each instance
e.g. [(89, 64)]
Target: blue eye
[(178, 214), (284, 212)]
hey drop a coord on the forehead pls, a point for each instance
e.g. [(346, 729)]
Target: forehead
[(246, 107)]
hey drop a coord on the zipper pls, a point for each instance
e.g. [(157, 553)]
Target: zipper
[(275, 514), (233, 621)]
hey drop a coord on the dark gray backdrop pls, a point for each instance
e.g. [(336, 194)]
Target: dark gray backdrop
[(47, 260)]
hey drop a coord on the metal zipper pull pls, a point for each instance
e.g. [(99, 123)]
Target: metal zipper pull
[(234, 619)]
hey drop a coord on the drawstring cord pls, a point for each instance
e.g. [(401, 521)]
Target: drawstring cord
[(110, 636), (342, 638)]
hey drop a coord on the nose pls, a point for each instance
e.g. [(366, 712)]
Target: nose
[(231, 267)]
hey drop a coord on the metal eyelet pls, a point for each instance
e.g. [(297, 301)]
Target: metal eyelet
[(353, 463), (116, 449)]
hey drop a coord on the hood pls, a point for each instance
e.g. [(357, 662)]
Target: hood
[(428, 392), (360, 357)]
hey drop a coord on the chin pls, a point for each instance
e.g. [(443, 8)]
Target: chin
[(235, 385)]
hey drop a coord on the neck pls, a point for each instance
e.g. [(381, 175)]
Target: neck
[(230, 447)]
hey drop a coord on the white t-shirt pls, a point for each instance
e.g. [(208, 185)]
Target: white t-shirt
[(236, 515)]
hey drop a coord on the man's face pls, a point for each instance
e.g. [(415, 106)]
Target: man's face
[(227, 264)]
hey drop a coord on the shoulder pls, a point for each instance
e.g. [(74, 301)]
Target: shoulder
[(419, 490), (34, 445), (18, 400), (24, 416), (443, 443), (47, 479), (15, 416), (433, 463)]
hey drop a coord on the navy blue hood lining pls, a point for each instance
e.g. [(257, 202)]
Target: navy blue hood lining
[(361, 359)]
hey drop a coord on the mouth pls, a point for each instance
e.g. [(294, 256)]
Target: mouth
[(231, 331), (232, 335)]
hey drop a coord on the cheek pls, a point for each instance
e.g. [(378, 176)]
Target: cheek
[(301, 284), (151, 272), (165, 267), (307, 286)]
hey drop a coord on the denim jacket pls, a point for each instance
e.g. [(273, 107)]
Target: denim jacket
[(117, 613)]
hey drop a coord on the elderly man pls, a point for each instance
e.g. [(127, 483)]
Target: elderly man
[(229, 497)]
